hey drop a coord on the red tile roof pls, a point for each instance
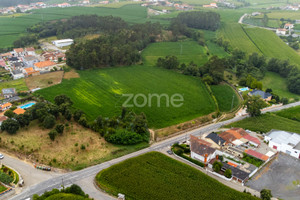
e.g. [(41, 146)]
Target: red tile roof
[(232, 164), (19, 50), (252, 139), (256, 154), (30, 49), (44, 64), (233, 134), (19, 111), (6, 105)]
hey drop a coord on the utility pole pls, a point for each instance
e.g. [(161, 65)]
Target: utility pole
[(232, 102)]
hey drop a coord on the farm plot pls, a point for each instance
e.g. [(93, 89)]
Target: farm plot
[(291, 113), (186, 52), (156, 176), (100, 92)]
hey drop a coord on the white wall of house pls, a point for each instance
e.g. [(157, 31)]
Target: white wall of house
[(285, 148), (17, 76), (201, 158)]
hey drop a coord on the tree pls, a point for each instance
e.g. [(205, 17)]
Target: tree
[(10, 125), (207, 79), (228, 173), (217, 166), (23, 120), (284, 101), (9, 114), (68, 114), (49, 121), (61, 99), (254, 104), (265, 194), (83, 121), (269, 90), (52, 134), (77, 114), (59, 128)]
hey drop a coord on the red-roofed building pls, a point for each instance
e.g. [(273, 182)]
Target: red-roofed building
[(19, 52), (257, 154), (201, 150), (252, 140)]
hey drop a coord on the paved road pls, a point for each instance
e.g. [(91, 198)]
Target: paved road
[(241, 22), (84, 177)]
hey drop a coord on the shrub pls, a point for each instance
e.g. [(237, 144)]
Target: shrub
[(5, 178), (217, 166), (52, 134), (49, 121), (10, 125), (123, 137), (60, 128), (228, 173), (82, 147)]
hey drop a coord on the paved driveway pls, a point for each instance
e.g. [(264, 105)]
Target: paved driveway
[(282, 176)]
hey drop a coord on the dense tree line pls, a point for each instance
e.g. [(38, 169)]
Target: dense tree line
[(117, 48), (8, 3), (26, 41), (198, 19)]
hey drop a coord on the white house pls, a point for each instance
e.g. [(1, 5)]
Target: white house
[(63, 43), (17, 74), (285, 142), (201, 150), (30, 51), (281, 31), (44, 66), (289, 26)]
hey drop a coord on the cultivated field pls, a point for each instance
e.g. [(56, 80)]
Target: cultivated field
[(156, 176), (226, 97), (267, 122), (186, 52), (291, 113), (14, 26), (99, 92), (44, 80), (65, 152), (19, 84)]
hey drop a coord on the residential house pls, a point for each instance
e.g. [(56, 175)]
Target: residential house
[(252, 140), (63, 5), (264, 95), (17, 74), (30, 51), (19, 52), (215, 138), (63, 43), (211, 5), (234, 136), (17, 65), (281, 31), (40, 4), (86, 1), (3, 64), (5, 106), (6, 55), (283, 141), (237, 174), (30, 60), (44, 66), (201, 150), (19, 111), (2, 119), (8, 92), (30, 72), (289, 26)]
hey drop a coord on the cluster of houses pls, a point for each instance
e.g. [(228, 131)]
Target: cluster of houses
[(220, 3), (286, 30), (231, 145), (177, 6), (24, 62), (39, 5)]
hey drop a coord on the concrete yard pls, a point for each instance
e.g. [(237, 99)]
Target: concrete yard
[(281, 175)]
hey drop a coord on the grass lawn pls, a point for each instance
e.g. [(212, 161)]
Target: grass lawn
[(44, 80), (185, 51), (290, 113), (66, 196), (156, 176), (2, 188), (278, 85), (267, 122), (99, 92), (19, 84), (224, 95), (65, 151)]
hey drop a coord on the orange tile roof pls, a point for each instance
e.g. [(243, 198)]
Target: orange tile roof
[(30, 69), (19, 50), (6, 54), (44, 64), (30, 49), (6, 105), (232, 164), (19, 111), (256, 154)]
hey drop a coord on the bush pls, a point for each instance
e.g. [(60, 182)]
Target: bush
[(5, 178), (228, 173), (265, 194), (82, 147), (52, 134), (60, 128), (49, 121), (10, 125), (217, 166), (123, 137)]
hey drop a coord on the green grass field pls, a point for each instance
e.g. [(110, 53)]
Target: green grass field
[(19, 84), (224, 95), (155, 176), (267, 122), (278, 85), (271, 45), (14, 26), (65, 196), (99, 92), (185, 51), (290, 113)]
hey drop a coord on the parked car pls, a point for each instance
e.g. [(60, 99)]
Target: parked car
[(1, 156), (170, 152)]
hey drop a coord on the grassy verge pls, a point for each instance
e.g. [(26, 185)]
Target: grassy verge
[(156, 176)]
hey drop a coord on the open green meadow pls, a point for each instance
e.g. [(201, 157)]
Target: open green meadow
[(185, 51), (156, 176), (278, 85), (267, 122), (213, 48), (14, 26), (226, 97), (290, 113), (99, 92)]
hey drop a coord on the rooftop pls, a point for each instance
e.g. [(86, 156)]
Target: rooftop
[(236, 172), (30, 49), (8, 90), (44, 64), (19, 111), (284, 137), (256, 154), (261, 93), (6, 105), (198, 147), (216, 138), (19, 50), (252, 139)]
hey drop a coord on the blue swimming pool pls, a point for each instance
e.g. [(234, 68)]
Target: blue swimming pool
[(27, 105), (244, 89)]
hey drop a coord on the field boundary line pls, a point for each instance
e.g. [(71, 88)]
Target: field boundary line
[(251, 39)]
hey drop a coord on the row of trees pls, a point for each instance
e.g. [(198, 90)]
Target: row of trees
[(8, 3)]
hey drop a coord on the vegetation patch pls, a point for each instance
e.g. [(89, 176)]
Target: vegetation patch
[(266, 123), (156, 176), (19, 84), (290, 113), (226, 97), (44, 80)]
